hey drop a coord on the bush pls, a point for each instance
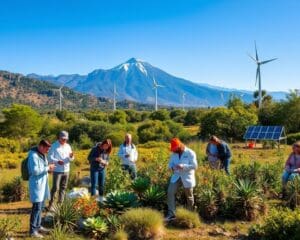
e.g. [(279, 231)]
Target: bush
[(59, 232), (87, 207), (8, 226), (293, 192), (154, 197), (280, 224), (140, 185), (153, 131), (14, 191), (9, 145), (143, 223), (117, 116), (117, 137), (292, 138), (121, 200), (120, 235), (161, 115), (186, 219), (96, 227)]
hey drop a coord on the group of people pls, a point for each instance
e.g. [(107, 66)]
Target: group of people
[(55, 159)]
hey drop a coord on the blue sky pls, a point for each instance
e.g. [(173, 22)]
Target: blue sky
[(200, 40)]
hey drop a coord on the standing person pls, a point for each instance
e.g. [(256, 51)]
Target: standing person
[(212, 154), (60, 154), (224, 153), (98, 158), (38, 169), (129, 155), (183, 163), (292, 166)]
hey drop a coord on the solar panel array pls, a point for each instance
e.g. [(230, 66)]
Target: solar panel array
[(264, 133)]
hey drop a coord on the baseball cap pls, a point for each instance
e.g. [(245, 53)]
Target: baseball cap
[(63, 135)]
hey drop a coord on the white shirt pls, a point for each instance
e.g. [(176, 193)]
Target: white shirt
[(128, 150), (189, 161), (60, 152)]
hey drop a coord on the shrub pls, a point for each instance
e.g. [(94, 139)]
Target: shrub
[(120, 235), (8, 226), (140, 185), (143, 223), (206, 202), (96, 227), (186, 218), (161, 115), (293, 137), (293, 192), (59, 232), (117, 137), (121, 200), (280, 224), (85, 142), (9, 145), (65, 215), (117, 116), (87, 207), (154, 197), (153, 131), (14, 191)]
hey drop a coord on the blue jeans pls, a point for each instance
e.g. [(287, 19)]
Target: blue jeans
[(225, 165), (97, 176), (131, 169), (286, 176), (36, 217)]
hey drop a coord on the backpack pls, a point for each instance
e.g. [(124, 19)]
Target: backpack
[(24, 169)]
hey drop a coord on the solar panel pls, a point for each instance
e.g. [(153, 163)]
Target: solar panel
[(264, 133)]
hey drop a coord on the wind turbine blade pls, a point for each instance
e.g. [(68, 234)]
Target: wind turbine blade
[(160, 85), (267, 61), (252, 57), (257, 75), (256, 54), (154, 82)]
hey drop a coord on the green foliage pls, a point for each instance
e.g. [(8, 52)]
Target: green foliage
[(293, 192), (117, 137), (85, 142), (96, 115), (228, 123), (153, 131), (120, 235), (96, 227), (154, 197), (9, 145), (194, 116), (178, 115), (161, 115), (14, 191), (143, 224), (121, 201), (292, 138), (186, 219), (20, 121), (65, 116), (177, 130), (117, 116), (280, 224), (140, 185), (59, 232), (206, 203), (8, 226), (134, 116), (247, 200), (65, 215)]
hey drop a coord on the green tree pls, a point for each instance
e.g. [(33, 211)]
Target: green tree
[(20, 121), (178, 115), (194, 117), (153, 131), (96, 115), (161, 115), (117, 116)]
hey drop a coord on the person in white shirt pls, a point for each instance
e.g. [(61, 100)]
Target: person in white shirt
[(60, 154), (129, 155), (183, 163)]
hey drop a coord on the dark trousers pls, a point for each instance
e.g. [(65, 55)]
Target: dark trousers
[(131, 169), (225, 165), (60, 182), (36, 217), (97, 176)]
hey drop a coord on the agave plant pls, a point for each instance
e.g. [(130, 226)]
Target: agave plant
[(293, 192), (140, 185), (121, 201), (114, 223), (247, 200), (206, 202), (65, 215), (154, 197), (96, 227)]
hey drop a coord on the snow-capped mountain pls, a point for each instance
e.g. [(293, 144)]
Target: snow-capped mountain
[(134, 81)]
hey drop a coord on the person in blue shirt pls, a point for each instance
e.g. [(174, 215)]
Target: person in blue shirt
[(98, 158), (38, 169), (224, 153)]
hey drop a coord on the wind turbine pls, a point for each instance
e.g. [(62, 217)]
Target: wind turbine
[(258, 74), (155, 87), (60, 96), (183, 100), (114, 98)]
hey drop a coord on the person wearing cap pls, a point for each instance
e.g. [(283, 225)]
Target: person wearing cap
[(183, 163), (292, 166), (224, 153), (60, 154), (129, 155), (38, 169)]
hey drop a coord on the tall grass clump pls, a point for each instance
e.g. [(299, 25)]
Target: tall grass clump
[(143, 224), (186, 219)]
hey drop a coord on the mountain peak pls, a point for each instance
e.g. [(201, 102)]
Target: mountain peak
[(134, 60)]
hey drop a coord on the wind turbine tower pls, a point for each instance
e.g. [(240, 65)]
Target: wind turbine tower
[(258, 74), (183, 100), (115, 93), (155, 87)]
